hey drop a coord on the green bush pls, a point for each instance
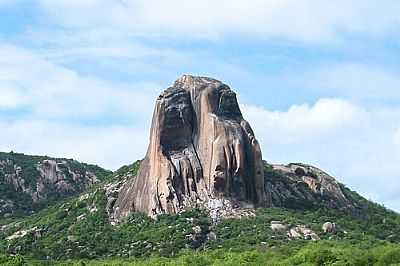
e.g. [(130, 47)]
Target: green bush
[(314, 255), (12, 261), (389, 256)]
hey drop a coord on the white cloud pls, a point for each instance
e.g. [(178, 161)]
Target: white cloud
[(312, 21), (54, 91), (94, 43), (305, 121), (97, 120), (108, 146), (9, 97), (361, 147)]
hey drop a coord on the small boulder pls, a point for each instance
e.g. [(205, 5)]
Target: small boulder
[(329, 227), (301, 231), (294, 234), (277, 226)]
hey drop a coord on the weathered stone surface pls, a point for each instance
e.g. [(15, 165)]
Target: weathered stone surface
[(295, 232), (302, 231), (45, 178), (305, 186), (200, 149), (329, 227), (278, 226)]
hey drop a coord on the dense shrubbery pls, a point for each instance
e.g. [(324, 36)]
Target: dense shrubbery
[(79, 229), (13, 261), (124, 171), (323, 253), (71, 230)]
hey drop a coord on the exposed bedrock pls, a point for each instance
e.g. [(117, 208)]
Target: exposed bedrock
[(200, 149)]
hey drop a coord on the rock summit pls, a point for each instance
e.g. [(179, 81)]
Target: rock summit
[(200, 149)]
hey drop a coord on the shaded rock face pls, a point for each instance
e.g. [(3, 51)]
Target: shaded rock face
[(200, 148)]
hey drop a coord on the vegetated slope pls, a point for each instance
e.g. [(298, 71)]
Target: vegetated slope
[(80, 228), (320, 253), (29, 182)]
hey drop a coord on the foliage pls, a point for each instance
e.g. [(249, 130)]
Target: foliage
[(124, 171), (77, 231), (80, 228), (73, 230), (319, 254), (12, 261)]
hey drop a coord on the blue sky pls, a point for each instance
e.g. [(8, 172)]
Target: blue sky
[(318, 80)]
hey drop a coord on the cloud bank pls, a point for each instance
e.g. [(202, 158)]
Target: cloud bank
[(359, 146), (308, 21)]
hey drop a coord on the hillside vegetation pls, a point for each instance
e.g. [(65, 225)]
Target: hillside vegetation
[(323, 253), (79, 229)]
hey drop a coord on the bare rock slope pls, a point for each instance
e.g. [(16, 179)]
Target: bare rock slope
[(302, 186), (200, 149)]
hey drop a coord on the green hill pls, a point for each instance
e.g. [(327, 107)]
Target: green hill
[(79, 228)]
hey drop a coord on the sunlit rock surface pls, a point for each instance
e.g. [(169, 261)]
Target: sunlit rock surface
[(200, 149)]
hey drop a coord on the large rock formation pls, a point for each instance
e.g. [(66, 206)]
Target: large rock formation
[(200, 149)]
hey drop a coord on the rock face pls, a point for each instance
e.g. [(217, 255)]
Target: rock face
[(200, 148), (25, 180), (304, 186), (51, 176)]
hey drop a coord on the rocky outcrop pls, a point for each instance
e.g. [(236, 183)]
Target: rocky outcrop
[(28, 179), (52, 176), (200, 149), (302, 232), (302, 186), (295, 232)]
